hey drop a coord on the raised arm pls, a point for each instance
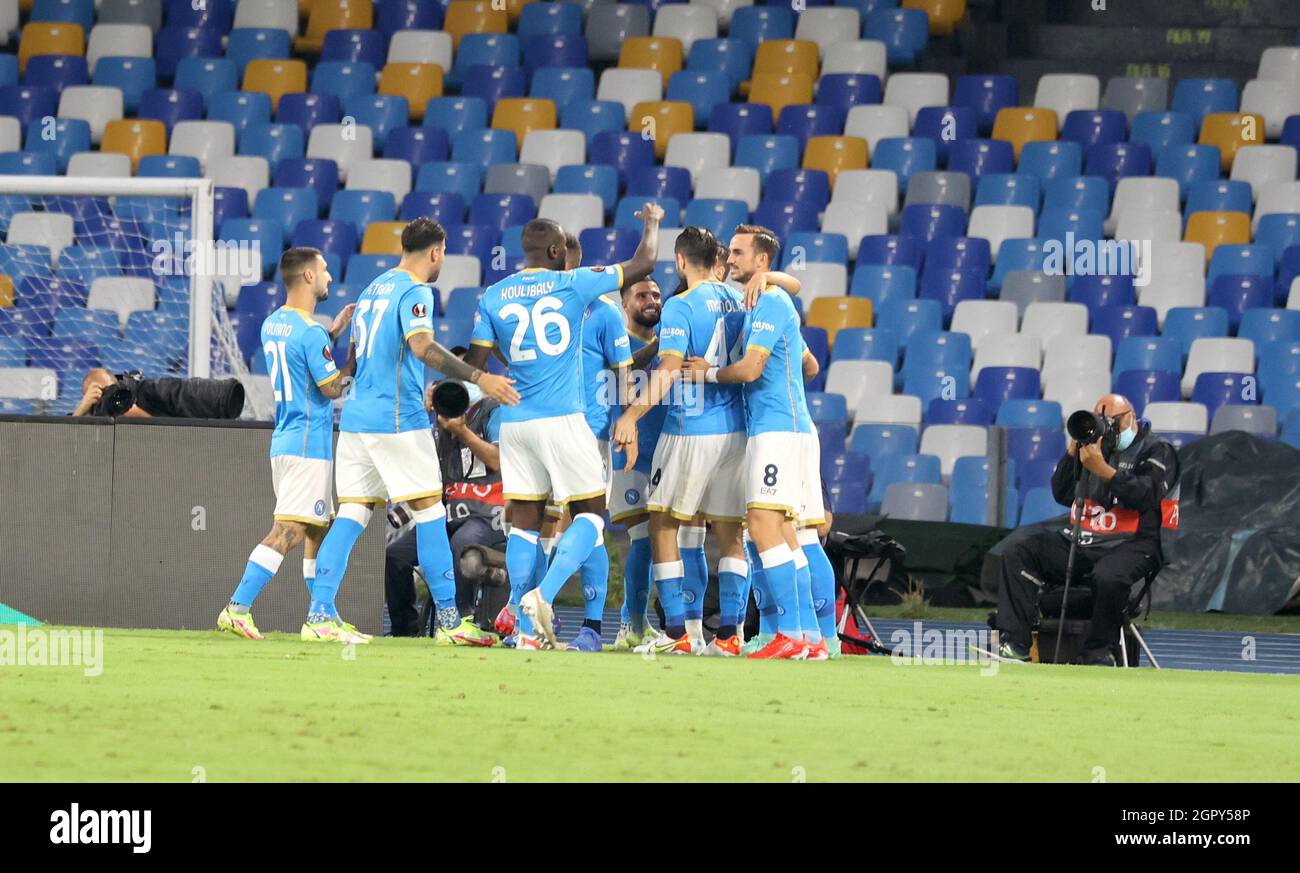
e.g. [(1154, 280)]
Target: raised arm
[(642, 263)]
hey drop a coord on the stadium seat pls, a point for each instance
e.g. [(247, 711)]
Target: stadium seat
[(1229, 132), (275, 77), (1005, 350), (1064, 93), (915, 91), (1264, 166), (1212, 229), (663, 55), (1274, 101), (1134, 95), (987, 95), (50, 38), (1258, 420), (345, 146), (629, 87), (998, 224), (1051, 160), (135, 139), (993, 157), (1217, 355), (833, 314), (610, 25), (1019, 125), (945, 124), (343, 79), (473, 16), (903, 31), (417, 84)]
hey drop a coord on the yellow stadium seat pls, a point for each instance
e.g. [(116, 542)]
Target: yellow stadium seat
[(785, 56), (1021, 124), (418, 83), (1230, 131), (780, 91), (514, 8), (474, 16), (327, 15), (6, 290), (1213, 229), (50, 38), (834, 153), (135, 138), (944, 15), (662, 54), (836, 313), (669, 117), (524, 114), (304, 8), (383, 238), (276, 77)]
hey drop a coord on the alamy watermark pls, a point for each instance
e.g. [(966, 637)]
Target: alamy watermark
[(1092, 257), (53, 647), (933, 646)]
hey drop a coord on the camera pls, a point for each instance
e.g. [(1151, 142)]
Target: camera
[(172, 397), (450, 398), (1086, 427), (117, 398)]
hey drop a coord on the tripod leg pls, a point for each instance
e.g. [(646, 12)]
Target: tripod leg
[(1143, 643), (1123, 649)]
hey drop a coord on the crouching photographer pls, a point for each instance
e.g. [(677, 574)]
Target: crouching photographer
[(466, 434), (132, 395), (1127, 474)]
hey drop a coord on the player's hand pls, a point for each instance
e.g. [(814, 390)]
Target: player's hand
[(499, 388), (428, 397), (694, 369), (341, 321), (625, 439), (651, 213), (754, 289)]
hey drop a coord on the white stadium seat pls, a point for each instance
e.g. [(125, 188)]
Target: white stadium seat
[(1163, 226), (1217, 355), (1264, 165), (915, 91), (574, 212), (686, 23), (1170, 417), (1006, 350), (122, 295), (875, 122), (629, 87), (250, 172), (1143, 194), (11, 134), (1163, 294), (279, 14), (1065, 354), (821, 280), (733, 183), (345, 146), (890, 409), (93, 104), (421, 47), (861, 56), (724, 9), (855, 380), (1063, 93), (855, 221), (118, 41), (700, 153), (28, 383), (204, 140), (50, 229), (111, 164), (998, 224), (1048, 321), (1278, 197), (384, 174), (1078, 389), (460, 271), (1280, 62), (868, 187), (826, 26), (553, 149), (980, 318), (1275, 101), (948, 442)]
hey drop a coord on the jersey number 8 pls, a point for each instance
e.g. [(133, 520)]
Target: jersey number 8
[(542, 315)]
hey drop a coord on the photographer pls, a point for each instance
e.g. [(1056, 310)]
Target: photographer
[(471, 475), (132, 395), (1129, 472)]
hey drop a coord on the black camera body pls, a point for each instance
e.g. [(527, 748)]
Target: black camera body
[(450, 398), (1086, 427), (117, 398), (172, 397)]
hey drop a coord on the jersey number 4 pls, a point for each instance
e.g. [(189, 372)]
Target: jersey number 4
[(718, 355), (542, 315)]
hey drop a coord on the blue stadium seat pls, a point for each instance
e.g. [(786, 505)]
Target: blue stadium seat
[(27, 103), (927, 222), (904, 32), (846, 90), (1239, 260), (894, 468), (827, 407), (1088, 127), (740, 121), (174, 44), (308, 110), (269, 235), (1218, 195), (491, 84), (720, 217), (416, 145), (1216, 389), (1200, 97), (362, 269), (228, 203), (275, 142), (355, 47), (1149, 353), (767, 153), (1159, 130), (564, 85), (1008, 189), (1018, 254), (286, 206), (929, 383), (9, 69), (462, 303), (343, 79), (1039, 505), (460, 178), (240, 109), (1118, 322), (970, 254), (624, 212), (866, 344), (338, 238), (882, 282), (623, 150), (816, 339), (56, 72), (888, 249), (987, 95), (805, 120), (362, 208), (1114, 161), (1054, 223), (968, 492), (483, 148), (905, 156), (963, 411), (1291, 132), (1265, 326), (472, 239), (1278, 232), (319, 174), (1189, 164), (612, 245), (809, 247), (950, 287), (1051, 159), (978, 158), (28, 164), (993, 385), (1190, 323), (1076, 192), (847, 469), (731, 57), (1028, 444), (1142, 387), (944, 125), (549, 19), (785, 217), (446, 207), (755, 24), (658, 182), (84, 264), (382, 113), (593, 117), (65, 138), (1020, 412), (254, 44), (564, 50), (486, 50), (394, 15), (456, 115), (931, 350), (500, 211), (598, 179), (93, 326), (1097, 292), (217, 15), (1236, 294), (171, 106), (812, 186), (906, 317), (79, 12)]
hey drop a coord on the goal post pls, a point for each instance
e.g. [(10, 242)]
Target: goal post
[(112, 272)]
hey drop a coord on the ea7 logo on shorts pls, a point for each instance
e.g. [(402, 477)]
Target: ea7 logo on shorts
[(419, 310), (631, 496), (319, 508)]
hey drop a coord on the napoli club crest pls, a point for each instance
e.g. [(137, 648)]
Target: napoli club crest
[(320, 508), (631, 496)]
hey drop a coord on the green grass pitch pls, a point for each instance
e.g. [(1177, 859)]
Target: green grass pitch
[(180, 706)]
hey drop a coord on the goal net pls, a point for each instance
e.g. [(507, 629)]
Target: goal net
[(119, 273)]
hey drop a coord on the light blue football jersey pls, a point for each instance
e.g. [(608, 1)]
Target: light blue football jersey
[(388, 394), (299, 360), (604, 349), (650, 425), (535, 318), (706, 320), (776, 401)]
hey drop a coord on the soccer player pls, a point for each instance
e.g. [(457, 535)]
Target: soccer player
[(305, 380), (642, 307), (535, 317), (778, 453), (698, 461), (386, 449)]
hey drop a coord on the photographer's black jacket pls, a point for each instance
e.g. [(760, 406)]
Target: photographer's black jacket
[(1139, 499)]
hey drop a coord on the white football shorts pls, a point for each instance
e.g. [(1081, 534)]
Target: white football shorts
[(691, 474), (302, 489), (377, 468)]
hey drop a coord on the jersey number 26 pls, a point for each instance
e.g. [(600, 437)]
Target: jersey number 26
[(542, 315)]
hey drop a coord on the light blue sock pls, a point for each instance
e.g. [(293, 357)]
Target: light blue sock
[(668, 578), (636, 578), (823, 587), (595, 583), (309, 573), (807, 612), (763, 598), (782, 583), (690, 543), (263, 564), (523, 554), (433, 549), (731, 591), (573, 550), (332, 566)]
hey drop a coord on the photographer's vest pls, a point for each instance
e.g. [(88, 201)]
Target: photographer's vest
[(469, 487), (1107, 524)]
